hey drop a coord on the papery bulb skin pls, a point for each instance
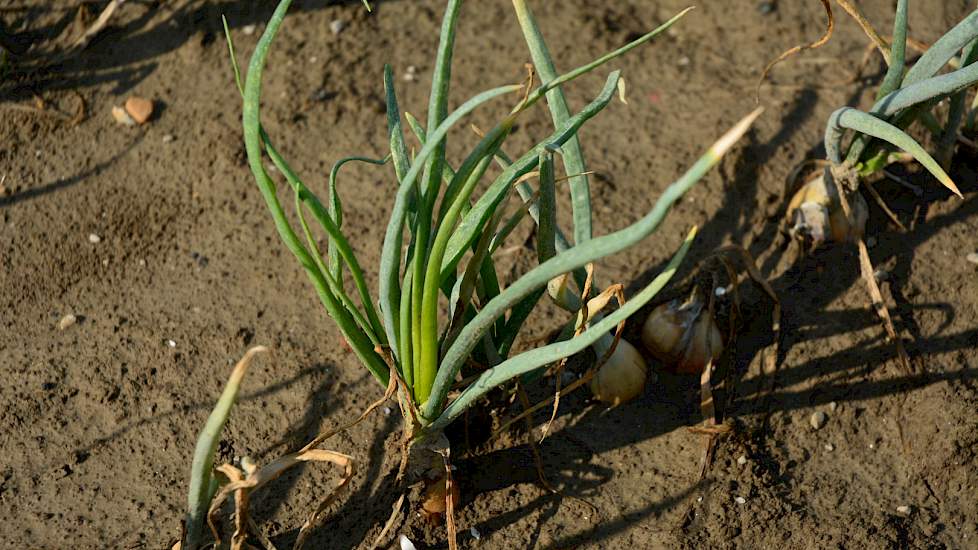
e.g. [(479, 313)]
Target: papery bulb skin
[(433, 503), (815, 214)]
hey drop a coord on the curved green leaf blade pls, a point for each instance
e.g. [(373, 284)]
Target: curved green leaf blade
[(854, 119), (573, 157), (943, 50), (530, 360), (254, 137)]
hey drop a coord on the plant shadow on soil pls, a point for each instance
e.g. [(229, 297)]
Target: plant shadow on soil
[(124, 53)]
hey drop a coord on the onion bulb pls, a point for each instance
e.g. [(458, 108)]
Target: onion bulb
[(705, 345), (664, 328), (815, 213), (622, 377), (433, 503), (684, 336)]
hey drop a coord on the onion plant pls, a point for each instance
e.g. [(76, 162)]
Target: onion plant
[(445, 225), (906, 95), (203, 483)]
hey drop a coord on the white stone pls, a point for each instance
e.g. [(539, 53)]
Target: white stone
[(818, 419)]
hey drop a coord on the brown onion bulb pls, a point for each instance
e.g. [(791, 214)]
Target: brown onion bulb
[(685, 337), (663, 330), (705, 344)]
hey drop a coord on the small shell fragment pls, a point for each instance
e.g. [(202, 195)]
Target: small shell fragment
[(139, 108), (406, 543), (122, 117), (67, 321)]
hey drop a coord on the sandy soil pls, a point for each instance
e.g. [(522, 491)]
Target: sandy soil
[(98, 421)]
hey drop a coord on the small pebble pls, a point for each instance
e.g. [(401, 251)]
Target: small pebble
[(720, 291), (905, 510), (475, 533), (973, 257), (139, 108), (336, 26), (248, 29), (171, 343), (742, 460), (818, 419), (387, 411), (67, 321), (121, 116), (142, 263), (411, 73), (683, 61), (766, 7), (740, 500), (94, 239), (169, 138), (829, 447), (833, 406)]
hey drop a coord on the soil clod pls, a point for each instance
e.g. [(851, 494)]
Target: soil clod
[(139, 108)]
